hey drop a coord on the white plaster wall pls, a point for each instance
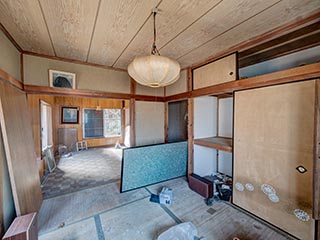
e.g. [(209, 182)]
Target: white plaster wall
[(9, 57), (225, 163), (204, 160), (179, 86), (225, 117), (149, 122), (205, 117), (205, 120), (144, 90), (36, 72)]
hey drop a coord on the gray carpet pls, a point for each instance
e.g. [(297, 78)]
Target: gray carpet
[(83, 170)]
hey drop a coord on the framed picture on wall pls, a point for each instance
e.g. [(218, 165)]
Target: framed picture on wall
[(61, 79), (69, 115)]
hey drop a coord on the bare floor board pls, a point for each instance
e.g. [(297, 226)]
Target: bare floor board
[(226, 222), (83, 204), (103, 213)]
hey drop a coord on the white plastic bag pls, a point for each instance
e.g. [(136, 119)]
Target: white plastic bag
[(182, 231)]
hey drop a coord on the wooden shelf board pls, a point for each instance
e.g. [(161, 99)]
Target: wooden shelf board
[(219, 143)]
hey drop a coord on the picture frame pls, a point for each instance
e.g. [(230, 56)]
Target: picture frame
[(69, 115), (60, 79)]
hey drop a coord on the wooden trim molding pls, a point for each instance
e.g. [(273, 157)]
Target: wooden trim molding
[(316, 157), (4, 76), (148, 98), (133, 85), (180, 96), (166, 121), (132, 122), (32, 89), (8, 35), (73, 61), (189, 79)]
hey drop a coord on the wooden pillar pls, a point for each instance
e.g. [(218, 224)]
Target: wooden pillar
[(166, 121), (316, 164), (190, 135), (132, 122)]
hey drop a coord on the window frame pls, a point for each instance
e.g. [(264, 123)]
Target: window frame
[(103, 124)]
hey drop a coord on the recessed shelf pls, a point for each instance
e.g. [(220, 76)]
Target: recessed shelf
[(219, 143)]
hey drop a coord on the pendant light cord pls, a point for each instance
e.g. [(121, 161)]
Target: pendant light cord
[(154, 50)]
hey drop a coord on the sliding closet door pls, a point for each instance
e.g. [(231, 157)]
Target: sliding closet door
[(273, 155), (19, 148)]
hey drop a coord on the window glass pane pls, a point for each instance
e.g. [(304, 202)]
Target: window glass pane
[(93, 123), (112, 122)]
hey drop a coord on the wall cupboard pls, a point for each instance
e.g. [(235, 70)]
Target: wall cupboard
[(274, 153)]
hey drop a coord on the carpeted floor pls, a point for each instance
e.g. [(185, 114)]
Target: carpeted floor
[(83, 170)]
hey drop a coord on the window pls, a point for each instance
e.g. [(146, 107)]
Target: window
[(101, 123)]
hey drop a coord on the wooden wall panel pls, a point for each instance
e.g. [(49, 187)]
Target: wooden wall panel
[(219, 71), (19, 148), (71, 25), (57, 102), (84, 103), (273, 135)]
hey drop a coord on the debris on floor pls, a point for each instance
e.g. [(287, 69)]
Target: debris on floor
[(61, 225), (222, 186), (182, 231), (154, 198), (165, 196)]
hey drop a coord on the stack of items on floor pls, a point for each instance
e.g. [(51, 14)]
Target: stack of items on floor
[(222, 185), (217, 185)]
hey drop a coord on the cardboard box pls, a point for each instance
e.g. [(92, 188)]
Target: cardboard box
[(165, 196)]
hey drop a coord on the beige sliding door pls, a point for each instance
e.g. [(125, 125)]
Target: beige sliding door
[(273, 155)]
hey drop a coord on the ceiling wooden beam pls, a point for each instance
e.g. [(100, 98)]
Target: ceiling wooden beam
[(291, 47), (280, 40)]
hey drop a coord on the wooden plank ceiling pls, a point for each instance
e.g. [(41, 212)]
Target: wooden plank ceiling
[(113, 32)]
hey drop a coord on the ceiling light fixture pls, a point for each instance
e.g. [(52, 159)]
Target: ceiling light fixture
[(154, 70)]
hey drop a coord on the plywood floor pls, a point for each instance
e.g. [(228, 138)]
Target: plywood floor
[(103, 213)]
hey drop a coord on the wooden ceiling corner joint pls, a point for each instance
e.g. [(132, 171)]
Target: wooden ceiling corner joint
[(73, 61), (8, 35)]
